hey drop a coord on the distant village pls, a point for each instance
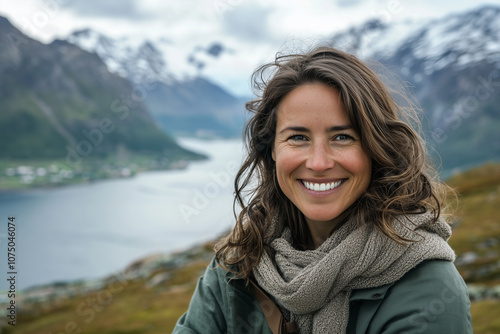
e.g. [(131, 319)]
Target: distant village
[(54, 174)]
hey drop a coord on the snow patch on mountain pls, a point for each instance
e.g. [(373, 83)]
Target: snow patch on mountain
[(459, 40), (147, 61)]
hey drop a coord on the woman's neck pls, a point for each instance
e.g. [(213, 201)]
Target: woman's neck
[(320, 231)]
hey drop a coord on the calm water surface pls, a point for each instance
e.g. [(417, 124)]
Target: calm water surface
[(92, 230)]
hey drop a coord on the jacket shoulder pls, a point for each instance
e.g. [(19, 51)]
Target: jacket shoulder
[(430, 298), (222, 304), (208, 307)]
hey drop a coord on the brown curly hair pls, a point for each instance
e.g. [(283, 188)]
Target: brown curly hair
[(402, 180)]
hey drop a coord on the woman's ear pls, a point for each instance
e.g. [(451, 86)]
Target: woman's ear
[(273, 154)]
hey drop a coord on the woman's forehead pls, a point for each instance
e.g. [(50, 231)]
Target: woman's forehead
[(312, 102)]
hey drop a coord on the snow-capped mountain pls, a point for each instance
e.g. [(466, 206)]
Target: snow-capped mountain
[(136, 62), (180, 100), (157, 60), (452, 66), (459, 40)]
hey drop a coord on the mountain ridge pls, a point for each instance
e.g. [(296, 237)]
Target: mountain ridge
[(52, 95), (190, 105), (451, 64)]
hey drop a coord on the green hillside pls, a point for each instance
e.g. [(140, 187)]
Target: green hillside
[(64, 118), (476, 240), (151, 294)]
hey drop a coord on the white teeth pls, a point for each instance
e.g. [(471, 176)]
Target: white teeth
[(321, 186)]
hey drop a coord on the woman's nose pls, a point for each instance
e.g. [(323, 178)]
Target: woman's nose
[(320, 157)]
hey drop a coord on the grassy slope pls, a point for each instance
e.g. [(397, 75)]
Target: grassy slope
[(132, 308), (138, 309), (479, 230), (479, 213)]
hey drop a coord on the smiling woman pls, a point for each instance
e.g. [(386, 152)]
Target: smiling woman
[(321, 165), (344, 222)]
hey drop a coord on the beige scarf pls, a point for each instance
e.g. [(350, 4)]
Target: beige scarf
[(313, 287)]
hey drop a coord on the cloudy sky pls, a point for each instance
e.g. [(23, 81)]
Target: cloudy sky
[(252, 31)]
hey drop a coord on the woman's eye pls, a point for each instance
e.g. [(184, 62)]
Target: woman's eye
[(343, 137), (297, 138)]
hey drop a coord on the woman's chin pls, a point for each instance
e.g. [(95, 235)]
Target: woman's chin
[(322, 218)]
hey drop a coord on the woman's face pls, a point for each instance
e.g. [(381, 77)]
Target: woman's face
[(320, 163)]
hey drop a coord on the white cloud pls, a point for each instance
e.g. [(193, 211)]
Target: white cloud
[(248, 22), (128, 9)]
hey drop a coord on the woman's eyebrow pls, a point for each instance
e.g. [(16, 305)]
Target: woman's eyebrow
[(295, 128), (339, 128), (304, 129)]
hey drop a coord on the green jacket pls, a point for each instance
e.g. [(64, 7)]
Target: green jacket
[(430, 298)]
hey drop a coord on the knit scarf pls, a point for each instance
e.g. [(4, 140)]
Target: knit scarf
[(313, 287)]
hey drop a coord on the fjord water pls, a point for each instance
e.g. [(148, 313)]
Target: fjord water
[(91, 230)]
